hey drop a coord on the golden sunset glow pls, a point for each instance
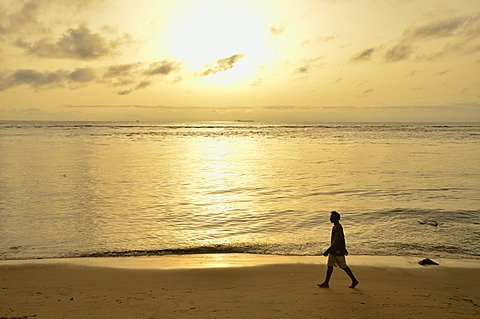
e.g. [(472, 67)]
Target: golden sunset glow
[(217, 38), (279, 61)]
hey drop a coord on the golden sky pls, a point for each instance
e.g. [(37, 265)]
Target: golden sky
[(274, 61)]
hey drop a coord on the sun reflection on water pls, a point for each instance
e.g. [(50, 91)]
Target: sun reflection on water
[(220, 182)]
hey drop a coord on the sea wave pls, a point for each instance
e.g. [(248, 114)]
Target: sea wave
[(305, 249), (80, 189)]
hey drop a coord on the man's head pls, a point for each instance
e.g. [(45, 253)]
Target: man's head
[(334, 217)]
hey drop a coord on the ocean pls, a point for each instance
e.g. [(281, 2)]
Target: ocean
[(96, 189)]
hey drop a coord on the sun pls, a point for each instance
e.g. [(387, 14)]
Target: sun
[(216, 38)]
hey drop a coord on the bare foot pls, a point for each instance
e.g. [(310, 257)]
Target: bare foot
[(354, 284), (323, 285)]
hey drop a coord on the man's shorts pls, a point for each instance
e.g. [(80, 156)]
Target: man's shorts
[(334, 260)]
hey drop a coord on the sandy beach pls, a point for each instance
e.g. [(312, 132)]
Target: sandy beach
[(237, 286)]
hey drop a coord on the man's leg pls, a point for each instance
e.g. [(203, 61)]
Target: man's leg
[(331, 262), (327, 278), (342, 263), (350, 274)]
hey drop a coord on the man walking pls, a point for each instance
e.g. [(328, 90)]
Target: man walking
[(336, 252)]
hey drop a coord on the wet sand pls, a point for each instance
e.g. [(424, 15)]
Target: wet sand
[(237, 286)]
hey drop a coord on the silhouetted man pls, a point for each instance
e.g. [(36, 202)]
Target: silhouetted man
[(336, 252)]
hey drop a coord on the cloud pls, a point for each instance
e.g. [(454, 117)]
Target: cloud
[(442, 72), (21, 21), (276, 30), (295, 113), (305, 69), (134, 76), (142, 85), (364, 55), (120, 70), (25, 19), (124, 92), (157, 107), (222, 65), (318, 40), (164, 67), (307, 66), (4, 81), (129, 77), (399, 52), (257, 82), (427, 113), (459, 35), (279, 107), (368, 91), (82, 75), (37, 79), (123, 75), (47, 79), (435, 29), (80, 43)]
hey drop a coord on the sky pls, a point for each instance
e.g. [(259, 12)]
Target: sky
[(267, 61)]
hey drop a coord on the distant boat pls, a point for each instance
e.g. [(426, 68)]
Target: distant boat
[(243, 121)]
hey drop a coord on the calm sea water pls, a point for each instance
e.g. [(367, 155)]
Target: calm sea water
[(73, 189)]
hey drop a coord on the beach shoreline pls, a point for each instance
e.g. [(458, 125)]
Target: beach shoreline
[(237, 286), (227, 260)]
